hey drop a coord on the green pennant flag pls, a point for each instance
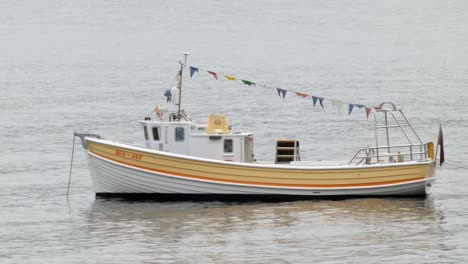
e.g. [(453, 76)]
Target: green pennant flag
[(249, 83)]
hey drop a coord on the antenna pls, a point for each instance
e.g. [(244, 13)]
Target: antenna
[(182, 66)]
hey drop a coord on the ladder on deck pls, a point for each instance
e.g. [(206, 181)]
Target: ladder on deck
[(287, 151)]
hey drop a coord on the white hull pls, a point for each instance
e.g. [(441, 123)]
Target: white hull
[(111, 178)]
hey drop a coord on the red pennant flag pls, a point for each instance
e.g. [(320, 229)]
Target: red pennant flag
[(302, 94), (214, 74), (368, 111)]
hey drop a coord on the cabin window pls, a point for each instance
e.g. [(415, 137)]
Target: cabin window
[(179, 134), (228, 146), (145, 129), (156, 133)]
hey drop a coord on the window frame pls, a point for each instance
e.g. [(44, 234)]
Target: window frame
[(157, 128), (177, 134), (226, 147), (145, 130)]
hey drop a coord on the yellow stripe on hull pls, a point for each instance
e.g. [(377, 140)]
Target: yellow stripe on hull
[(273, 175)]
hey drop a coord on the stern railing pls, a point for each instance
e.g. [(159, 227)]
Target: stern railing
[(393, 154), (394, 121)]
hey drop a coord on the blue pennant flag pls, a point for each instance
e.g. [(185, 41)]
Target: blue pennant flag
[(321, 102), (359, 106), (314, 100), (351, 106), (192, 71), (168, 95), (281, 92)]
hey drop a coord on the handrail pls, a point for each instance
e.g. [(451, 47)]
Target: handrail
[(393, 118), (369, 154)]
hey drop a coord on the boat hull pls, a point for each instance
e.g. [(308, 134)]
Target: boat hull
[(120, 170)]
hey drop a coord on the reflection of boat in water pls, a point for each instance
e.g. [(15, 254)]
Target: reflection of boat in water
[(397, 208), (217, 232), (216, 217), (187, 160)]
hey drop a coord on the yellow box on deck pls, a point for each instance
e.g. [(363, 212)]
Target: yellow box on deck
[(430, 150)]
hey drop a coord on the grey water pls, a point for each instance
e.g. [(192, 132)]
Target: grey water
[(103, 65)]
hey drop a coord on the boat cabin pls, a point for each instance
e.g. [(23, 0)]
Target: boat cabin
[(212, 141)]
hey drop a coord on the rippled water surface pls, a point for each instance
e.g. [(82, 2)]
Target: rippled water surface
[(103, 65)]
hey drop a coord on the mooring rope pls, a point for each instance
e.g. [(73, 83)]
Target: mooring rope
[(71, 164), (456, 166)]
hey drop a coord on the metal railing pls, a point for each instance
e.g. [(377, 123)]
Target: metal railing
[(391, 154), (393, 121)]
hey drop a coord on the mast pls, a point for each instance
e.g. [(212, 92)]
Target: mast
[(179, 85)]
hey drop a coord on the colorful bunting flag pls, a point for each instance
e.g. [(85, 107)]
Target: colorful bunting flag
[(351, 106), (302, 94), (229, 77), (192, 71), (249, 83), (321, 102), (168, 95), (214, 74), (334, 103), (281, 92), (314, 100), (368, 111), (338, 105)]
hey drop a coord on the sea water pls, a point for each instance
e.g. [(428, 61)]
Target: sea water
[(103, 65)]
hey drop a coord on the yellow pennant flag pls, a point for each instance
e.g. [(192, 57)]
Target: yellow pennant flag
[(229, 77), (337, 105)]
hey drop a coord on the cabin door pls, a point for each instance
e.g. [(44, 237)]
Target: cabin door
[(180, 139)]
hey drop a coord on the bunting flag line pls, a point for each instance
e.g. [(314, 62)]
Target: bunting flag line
[(321, 102), (168, 95), (351, 106), (249, 83), (337, 104), (340, 106), (229, 77), (281, 92), (214, 74), (192, 71), (314, 100), (303, 95), (368, 111)]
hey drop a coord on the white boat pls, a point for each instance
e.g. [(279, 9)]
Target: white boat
[(186, 160)]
